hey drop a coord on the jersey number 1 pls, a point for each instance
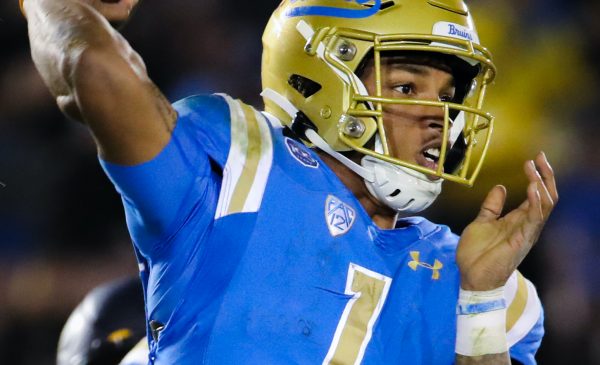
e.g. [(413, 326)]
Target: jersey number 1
[(369, 291)]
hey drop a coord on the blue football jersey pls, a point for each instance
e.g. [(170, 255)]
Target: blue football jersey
[(252, 251)]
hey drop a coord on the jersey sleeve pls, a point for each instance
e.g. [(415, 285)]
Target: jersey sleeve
[(159, 195), (524, 319)]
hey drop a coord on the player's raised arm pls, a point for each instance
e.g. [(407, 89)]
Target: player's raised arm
[(490, 250), (97, 78)]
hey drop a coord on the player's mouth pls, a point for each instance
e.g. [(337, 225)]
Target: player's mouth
[(429, 157)]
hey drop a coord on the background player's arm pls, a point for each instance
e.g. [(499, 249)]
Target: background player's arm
[(97, 78)]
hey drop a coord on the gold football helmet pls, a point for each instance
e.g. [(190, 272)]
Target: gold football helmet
[(313, 49)]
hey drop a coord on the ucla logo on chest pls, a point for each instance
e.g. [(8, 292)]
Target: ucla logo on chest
[(339, 216), (300, 154)]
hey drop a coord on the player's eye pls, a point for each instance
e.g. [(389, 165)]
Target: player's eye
[(405, 89)]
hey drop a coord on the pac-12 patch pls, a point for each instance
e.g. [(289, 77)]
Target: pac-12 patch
[(300, 154), (339, 215)]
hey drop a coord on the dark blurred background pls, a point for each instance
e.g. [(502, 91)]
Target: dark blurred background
[(62, 229)]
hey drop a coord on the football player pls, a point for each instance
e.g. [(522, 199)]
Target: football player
[(290, 235), (105, 326)]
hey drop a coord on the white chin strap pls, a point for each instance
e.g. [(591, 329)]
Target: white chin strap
[(402, 189)]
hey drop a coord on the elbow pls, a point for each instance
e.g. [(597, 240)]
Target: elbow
[(68, 106)]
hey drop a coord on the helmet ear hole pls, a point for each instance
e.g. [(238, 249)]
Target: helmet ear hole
[(304, 85)]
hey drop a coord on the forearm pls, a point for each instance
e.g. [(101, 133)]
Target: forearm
[(60, 31), (97, 78)]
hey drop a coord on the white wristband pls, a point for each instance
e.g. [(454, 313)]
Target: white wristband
[(481, 323)]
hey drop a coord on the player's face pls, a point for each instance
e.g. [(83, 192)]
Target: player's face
[(414, 132)]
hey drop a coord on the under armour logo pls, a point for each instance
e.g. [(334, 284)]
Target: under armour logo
[(416, 262)]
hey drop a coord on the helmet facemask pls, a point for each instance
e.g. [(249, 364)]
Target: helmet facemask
[(466, 127)]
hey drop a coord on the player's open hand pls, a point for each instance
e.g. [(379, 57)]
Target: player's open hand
[(115, 11), (492, 247)]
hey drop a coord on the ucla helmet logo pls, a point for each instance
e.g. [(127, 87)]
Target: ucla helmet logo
[(336, 12)]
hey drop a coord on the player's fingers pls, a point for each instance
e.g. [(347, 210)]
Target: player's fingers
[(547, 173), (535, 215), (114, 10), (129, 3), (533, 223), (534, 176), (531, 172), (491, 208)]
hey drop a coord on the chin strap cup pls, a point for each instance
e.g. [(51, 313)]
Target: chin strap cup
[(400, 188)]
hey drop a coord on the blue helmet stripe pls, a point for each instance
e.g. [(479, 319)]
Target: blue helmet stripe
[(335, 12)]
